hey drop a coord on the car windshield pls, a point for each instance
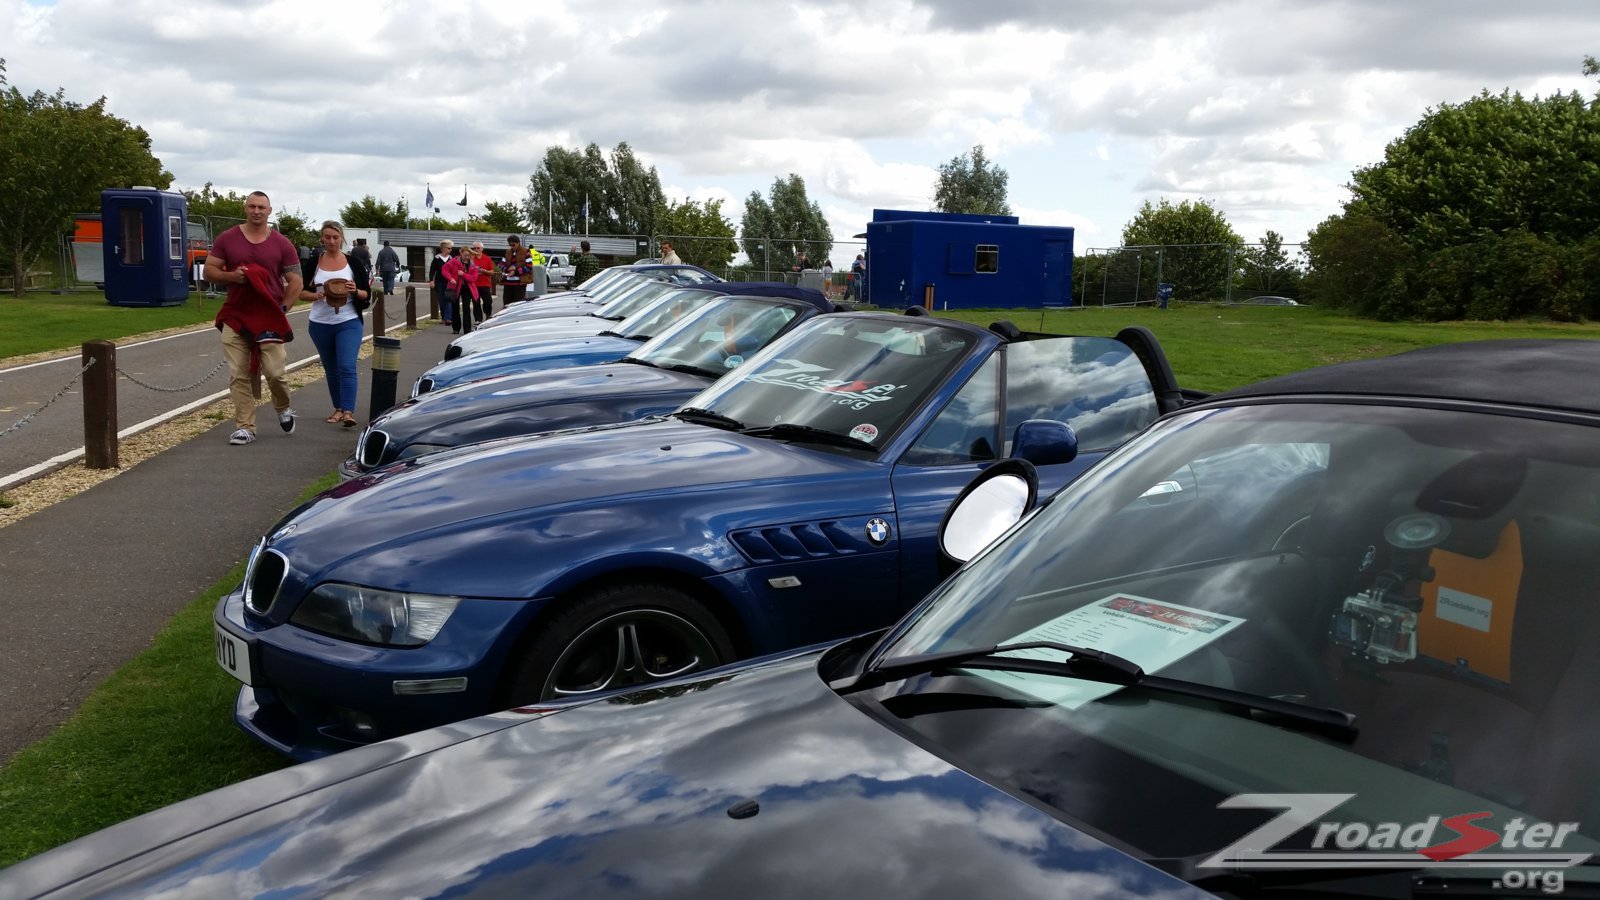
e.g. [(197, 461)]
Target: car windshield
[(633, 299), (670, 308), (1429, 571), (610, 288), (718, 337), (683, 275), (605, 277), (842, 374)]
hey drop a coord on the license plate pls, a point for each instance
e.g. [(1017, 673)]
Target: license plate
[(233, 655)]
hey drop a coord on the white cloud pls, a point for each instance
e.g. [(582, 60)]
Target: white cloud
[(1264, 107)]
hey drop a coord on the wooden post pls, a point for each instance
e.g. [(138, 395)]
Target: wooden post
[(411, 307), (927, 297), (100, 405), (378, 320)]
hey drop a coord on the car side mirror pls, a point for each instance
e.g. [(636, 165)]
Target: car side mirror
[(1045, 442), (994, 501)]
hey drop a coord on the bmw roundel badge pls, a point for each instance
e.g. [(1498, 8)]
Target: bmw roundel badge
[(877, 531)]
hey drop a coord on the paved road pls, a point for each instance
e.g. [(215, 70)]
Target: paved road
[(51, 392), (87, 583)]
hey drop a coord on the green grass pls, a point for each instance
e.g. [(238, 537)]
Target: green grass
[(41, 320), (157, 731), (1216, 348)]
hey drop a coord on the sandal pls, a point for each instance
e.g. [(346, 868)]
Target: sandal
[(348, 418), (336, 418)]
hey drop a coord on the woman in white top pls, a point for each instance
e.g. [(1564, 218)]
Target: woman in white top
[(336, 321)]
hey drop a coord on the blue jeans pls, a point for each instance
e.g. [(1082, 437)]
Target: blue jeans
[(339, 345), (388, 282)]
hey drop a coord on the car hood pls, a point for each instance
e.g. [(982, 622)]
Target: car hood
[(756, 781), (550, 353), (497, 519), (533, 401), (566, 326)]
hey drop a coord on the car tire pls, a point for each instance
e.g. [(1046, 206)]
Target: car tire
[(617, 636)]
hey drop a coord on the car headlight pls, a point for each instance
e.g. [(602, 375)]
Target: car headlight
[(372, 616)]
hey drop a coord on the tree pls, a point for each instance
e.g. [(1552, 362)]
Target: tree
[(1484, 209), (208, 204), (619, 195), (1200, 250), (56, 157), (504, 217), (774, 232), (1490, 165), (370, 212), (970, 184), (293, 225), (1268, 269), (700, 233)]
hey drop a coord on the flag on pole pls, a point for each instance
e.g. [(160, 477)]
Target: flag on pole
[(463, 200), (428, 201)]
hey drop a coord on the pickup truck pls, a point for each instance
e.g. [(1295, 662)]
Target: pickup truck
[(558, 267)]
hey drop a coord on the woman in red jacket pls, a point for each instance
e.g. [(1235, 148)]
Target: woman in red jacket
[(461, 273)]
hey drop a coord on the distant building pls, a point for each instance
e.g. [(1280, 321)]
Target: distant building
[(959, 261)]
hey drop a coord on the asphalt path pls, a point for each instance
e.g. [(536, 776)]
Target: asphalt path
[(86, 583), (158, 378)]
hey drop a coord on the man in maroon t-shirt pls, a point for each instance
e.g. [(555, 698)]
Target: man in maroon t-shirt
[(253, 312)]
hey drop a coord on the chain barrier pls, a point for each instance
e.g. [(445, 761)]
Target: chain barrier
[(166, 390), (46, 405)]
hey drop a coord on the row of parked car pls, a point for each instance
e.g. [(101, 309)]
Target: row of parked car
[(709, 589)]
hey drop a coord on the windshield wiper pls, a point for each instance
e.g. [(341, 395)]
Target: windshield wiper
[(1107, 668), (706, 417), (691, 370), (609, 333), (792, 432)]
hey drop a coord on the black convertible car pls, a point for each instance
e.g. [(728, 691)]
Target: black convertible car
[(1330, 635)]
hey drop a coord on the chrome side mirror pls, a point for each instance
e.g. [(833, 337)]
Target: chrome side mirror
[(992, 503)]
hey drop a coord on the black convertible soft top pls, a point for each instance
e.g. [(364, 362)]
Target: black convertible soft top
[(770, 289), (1547, 374)]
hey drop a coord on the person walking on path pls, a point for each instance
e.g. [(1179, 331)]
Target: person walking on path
[(388, 267), (262, 271), (483, 304), (669, 255), (460, 275), (360, 251), (337, 284), (516, 270), (584, 265), (440, 286)]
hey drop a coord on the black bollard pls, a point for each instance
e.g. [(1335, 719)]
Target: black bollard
[(385, 374)]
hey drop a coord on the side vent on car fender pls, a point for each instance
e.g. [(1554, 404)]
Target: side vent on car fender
[(803, 541)]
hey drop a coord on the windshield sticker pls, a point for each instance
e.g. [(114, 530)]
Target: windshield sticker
[(865, 432), (734, 361), (851, 392), (1152, 633)]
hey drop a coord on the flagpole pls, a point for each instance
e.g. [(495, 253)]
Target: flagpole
[(549, 212), (585, 213)]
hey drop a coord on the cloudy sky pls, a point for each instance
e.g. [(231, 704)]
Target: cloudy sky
[(1262, 107)]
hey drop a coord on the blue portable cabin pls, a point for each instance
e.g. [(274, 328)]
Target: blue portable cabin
[(145, 243), (961, 261)]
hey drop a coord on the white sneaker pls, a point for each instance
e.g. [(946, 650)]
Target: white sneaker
[(241, 436), (286, 420)]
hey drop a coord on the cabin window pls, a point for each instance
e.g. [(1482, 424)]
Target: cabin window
[(174, 237), (986, 259), (132, 221)]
